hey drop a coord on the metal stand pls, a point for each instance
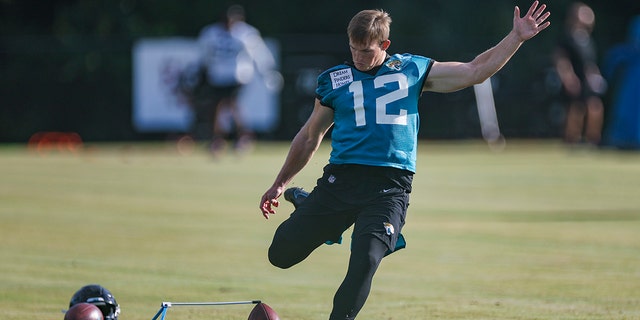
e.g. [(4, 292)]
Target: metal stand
[(166, 305)]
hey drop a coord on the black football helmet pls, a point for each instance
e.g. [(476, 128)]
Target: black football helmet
[(100, 297)]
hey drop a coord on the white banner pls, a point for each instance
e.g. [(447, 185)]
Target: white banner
[(157, 107)]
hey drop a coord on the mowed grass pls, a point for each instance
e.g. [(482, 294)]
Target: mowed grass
[(536, 231)]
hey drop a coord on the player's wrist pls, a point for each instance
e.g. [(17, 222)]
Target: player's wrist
[(516, 37)]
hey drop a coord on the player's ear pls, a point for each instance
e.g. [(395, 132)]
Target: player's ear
[(385, 44)]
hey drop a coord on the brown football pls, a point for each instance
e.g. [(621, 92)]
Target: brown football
[(83, 311), (263, 312)]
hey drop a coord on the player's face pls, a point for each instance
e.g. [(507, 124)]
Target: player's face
[(368, 56)]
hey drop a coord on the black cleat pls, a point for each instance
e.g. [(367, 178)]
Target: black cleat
[(295, 195)]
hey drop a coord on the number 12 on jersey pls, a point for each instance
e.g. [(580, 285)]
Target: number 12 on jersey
[(382, 117)]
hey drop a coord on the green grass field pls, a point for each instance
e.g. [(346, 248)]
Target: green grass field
[(534, 232)]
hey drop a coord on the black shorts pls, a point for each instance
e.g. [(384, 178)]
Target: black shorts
[(372, 199)]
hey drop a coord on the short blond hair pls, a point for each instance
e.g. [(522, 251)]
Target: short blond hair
[(369, 26)]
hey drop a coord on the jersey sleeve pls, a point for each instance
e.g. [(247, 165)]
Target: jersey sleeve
[(326, 84), (424, 66)]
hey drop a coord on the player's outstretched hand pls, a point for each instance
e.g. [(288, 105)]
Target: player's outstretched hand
[(532, 23), (269, 201)]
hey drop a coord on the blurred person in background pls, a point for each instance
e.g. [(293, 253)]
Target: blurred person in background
[(371, 103), (622, 71), (232, 51), (575, 62)]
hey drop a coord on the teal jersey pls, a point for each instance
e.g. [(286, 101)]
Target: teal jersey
[(375, 113)]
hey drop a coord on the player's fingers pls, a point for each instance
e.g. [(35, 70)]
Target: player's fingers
[(543, 17), (267, 207), (544, 25), (263, 203), (540, 11), (266, 211), (532, 9)]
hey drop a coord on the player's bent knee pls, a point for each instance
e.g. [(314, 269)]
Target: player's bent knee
[(279, 263), (279, 258), (285, 254)]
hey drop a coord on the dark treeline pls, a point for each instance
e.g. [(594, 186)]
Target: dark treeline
[(65, 65)]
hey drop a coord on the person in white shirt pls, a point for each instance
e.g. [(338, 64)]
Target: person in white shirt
[(232, 52)]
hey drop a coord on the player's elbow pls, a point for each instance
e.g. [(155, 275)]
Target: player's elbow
[(477, 76), (473, 75), (463, 84), (479, 70)]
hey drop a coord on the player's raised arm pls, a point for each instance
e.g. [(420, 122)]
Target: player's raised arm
[(452, 76)]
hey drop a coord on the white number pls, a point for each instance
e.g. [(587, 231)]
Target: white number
[(358, 102), (382, 117)]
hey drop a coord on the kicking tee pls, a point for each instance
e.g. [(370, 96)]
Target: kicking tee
[(376, 112)]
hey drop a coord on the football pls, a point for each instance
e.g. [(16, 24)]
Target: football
[(83, 311), (263, 312)]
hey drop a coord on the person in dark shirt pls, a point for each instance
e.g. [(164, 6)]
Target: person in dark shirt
[(582, 85)]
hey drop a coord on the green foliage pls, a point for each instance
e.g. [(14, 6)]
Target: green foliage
[(534, 232)]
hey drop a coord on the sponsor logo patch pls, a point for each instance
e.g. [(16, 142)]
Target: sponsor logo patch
[(341, 77)]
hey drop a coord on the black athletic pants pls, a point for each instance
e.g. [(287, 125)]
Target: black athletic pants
[(374, 200)]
